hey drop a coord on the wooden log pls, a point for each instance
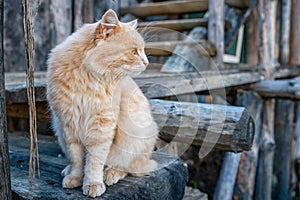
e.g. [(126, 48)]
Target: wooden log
[(237, 126), (5, 187), (289, 88), (295, 33), (284, 115), (171, 172), (225, 185), (266, 55), (166, 48), (165, 8), (216, 29), (245, 180), (190, 123)]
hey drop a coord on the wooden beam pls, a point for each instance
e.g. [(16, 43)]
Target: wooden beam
[(216, 29), (176, 7), (289, 88), (166, 48), (191, 122), (5, 187), (166, 8)]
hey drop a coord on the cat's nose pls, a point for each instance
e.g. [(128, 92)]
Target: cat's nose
[(146, 63)]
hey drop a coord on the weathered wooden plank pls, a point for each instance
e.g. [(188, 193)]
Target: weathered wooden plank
[(165, 8), (190, 123), (171, 170), (176, 7), (193, 82), (289, 88), (5, 187), (158, 85), (166, 48), (216, 29)]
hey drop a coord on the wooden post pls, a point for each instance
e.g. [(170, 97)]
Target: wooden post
[(266, 11), (5, 188), (62, 19), (283, 134), (284, 113), (245, 180), (226, 181), (285, 24), (296, 150), (216, 28)]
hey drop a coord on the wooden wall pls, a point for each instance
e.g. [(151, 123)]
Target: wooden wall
[(55, 20)]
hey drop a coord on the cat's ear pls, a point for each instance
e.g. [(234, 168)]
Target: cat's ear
[(108, 25), (133, 23), (110, 18)]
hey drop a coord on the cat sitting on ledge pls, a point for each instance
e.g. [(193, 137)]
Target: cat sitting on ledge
[(102, 120)]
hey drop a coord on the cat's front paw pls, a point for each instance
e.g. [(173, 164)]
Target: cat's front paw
[(72, 181), (112, 176), (94, 190)]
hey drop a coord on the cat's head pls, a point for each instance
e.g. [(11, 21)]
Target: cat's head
[(119, 48)]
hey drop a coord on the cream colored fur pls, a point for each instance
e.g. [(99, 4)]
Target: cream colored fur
[(101, 118)]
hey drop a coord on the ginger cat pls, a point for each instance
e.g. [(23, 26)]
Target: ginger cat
[(101, 118)]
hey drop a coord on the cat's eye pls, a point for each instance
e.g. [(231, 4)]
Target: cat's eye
[(134, 51)]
